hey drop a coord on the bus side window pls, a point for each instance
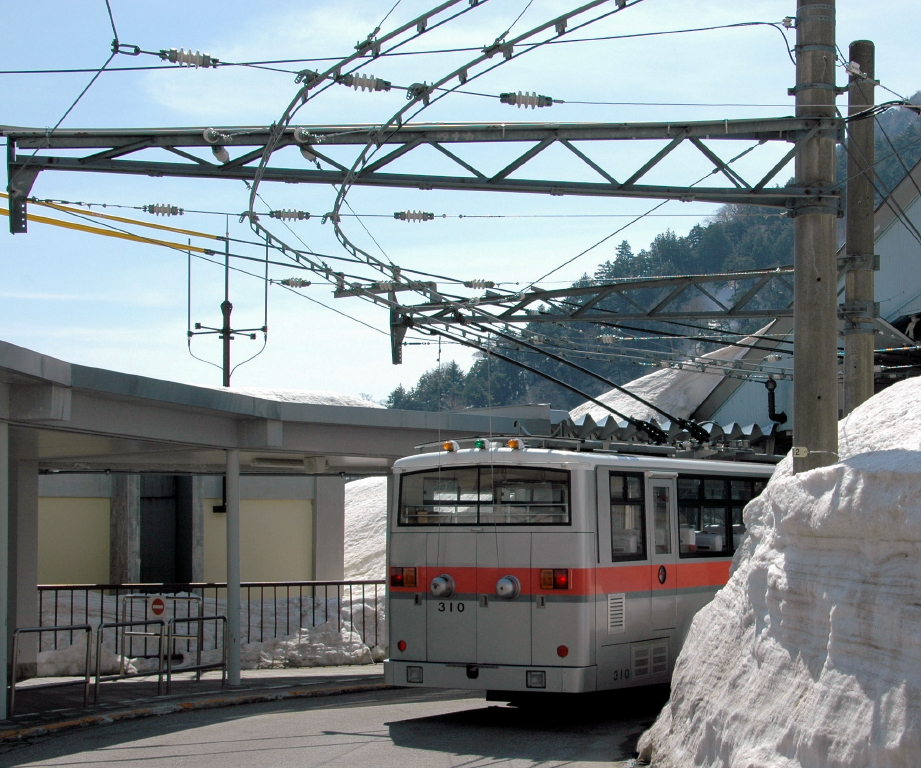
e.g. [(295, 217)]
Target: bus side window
[(628, 525)]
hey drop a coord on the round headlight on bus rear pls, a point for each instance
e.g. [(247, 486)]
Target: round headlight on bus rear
[(508, 587), (442, 586)]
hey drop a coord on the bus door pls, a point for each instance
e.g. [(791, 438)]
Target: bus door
[(451, 616), (503, 609), (663, 549)]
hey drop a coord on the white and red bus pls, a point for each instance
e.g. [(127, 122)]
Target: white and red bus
[(516, 568)]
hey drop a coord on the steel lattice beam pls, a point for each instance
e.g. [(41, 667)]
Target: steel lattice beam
[(144, 152)]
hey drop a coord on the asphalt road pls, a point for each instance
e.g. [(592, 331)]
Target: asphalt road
[(399, 728)]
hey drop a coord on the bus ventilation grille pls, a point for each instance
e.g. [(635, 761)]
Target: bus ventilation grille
[(616, 610), (650, 659)]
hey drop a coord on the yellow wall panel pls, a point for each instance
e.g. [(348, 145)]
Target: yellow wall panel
[(276, 540), (73, 541)]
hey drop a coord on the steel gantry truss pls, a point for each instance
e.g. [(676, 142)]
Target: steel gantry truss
[(177, 152)]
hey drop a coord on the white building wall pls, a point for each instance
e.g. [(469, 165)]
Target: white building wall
[(898, 282)]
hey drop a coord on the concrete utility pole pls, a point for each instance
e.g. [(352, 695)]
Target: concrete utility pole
[(815, 382), (859, 308)]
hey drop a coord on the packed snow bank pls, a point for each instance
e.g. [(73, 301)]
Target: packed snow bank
[(677, 391), (811, 654), (366, 528)]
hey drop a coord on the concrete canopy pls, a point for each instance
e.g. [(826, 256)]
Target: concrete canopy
[(74, 418)]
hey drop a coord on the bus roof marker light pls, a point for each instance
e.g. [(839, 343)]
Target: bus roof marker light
[(515, 444), (450, 446), (481, 444)]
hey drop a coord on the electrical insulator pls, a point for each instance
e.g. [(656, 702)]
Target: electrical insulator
[(607, 338), (365, 82), (479, 284), (163, 210), (189, 58), (525, 100), (220, 153), (413, 216), (789, 22), (289, 215), (295, 282)]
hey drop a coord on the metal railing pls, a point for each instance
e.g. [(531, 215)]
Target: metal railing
[(269, 609), (123, 627), (172, 636), (88, 635)]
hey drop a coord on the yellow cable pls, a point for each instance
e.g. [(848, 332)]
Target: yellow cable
[(151, 225), (110, 233)]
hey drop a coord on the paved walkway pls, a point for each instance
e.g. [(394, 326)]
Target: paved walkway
[(43, 707)]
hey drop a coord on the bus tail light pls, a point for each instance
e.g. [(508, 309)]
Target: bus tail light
[(402, 577), (562, 651), (554, 578), (401, 646)]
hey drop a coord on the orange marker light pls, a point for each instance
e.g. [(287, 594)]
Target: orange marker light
[(514, 443), (402, 577), (449, 445), (554, 578)]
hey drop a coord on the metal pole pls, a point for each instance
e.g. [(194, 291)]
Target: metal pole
[(226, 309), (233, 567), (815, 382), (4, 563), (859, 283)]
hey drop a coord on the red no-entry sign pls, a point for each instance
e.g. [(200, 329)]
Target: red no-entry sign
[(157, 606)]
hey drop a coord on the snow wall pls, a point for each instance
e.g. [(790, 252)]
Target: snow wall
[(811, 654), (366, 528)]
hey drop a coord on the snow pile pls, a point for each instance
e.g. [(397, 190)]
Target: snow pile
[(366, 528), (811, 654), (677, 391), (324, 645), (313, 396), (72, 660)]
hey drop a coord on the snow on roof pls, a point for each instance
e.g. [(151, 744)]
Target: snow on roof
[(366, 528), (677, 391), (809, 655), (313, 396)]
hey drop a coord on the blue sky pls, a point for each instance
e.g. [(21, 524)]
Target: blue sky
[(118, 305)]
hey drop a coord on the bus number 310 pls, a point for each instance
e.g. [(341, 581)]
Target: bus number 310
[(621, 674), (450, 607)]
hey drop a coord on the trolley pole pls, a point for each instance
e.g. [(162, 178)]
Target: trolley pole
[(859, 307), (815, 382)]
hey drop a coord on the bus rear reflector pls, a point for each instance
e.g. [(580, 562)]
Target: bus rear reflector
[(562, 651), (536, 678), (402, 577), (554, 578), (414, 674), (401, 646)]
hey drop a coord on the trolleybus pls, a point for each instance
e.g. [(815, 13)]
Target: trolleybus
[(516, 568)]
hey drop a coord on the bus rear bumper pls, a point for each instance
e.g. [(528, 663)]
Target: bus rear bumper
[(490, 677)]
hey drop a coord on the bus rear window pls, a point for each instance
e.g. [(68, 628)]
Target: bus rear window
[(492, 495)]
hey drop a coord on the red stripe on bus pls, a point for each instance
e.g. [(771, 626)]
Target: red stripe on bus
[(582, 581)]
